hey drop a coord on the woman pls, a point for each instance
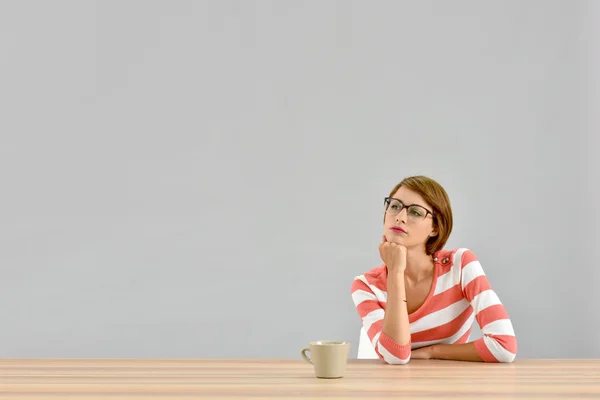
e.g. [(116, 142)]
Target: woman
[(422, 301)]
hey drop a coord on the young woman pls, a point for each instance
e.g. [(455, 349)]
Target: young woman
[(422, 301)]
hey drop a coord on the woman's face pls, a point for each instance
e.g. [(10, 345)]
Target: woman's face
[(408, 221)]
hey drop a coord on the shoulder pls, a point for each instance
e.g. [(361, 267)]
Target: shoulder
[(456, 263), (458, 257), (462, 264), (376, 277)]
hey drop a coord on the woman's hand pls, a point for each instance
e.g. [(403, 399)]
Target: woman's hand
[(393, 255), (423, 353)]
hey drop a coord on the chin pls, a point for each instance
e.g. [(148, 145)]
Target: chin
[(392, 237)]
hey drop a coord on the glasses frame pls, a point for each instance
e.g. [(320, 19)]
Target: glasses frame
[(388, 200)]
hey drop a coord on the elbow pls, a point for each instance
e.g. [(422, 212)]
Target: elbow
[(503, 356), (396, 361), (498, 348), (510, 351), (393, 353), (507, 358)]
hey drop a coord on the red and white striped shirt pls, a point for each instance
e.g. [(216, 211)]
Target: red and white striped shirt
[(459, 294)]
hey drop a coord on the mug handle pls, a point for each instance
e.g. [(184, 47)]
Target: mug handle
[(303, 353)]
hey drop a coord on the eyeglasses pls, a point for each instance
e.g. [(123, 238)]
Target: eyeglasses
[(415, 212)]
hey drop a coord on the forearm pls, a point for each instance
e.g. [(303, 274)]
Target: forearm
[(395, 322), (458, 352)]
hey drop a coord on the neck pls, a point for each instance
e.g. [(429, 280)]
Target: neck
[(419, 265)]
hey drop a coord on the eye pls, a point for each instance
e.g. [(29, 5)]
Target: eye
[(416, 212)]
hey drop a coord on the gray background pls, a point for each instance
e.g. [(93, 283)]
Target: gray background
[(205, 179)]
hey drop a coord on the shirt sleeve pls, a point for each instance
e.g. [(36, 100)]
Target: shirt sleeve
[(372, 313), (498, 343)]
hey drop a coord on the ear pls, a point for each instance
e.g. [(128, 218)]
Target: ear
[(433, 233)]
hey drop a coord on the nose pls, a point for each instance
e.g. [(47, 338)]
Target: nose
[(402, 215)]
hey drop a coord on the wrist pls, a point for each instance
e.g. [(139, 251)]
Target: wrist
[(396, 273), (396, 286), (396, 280), (433, 351)]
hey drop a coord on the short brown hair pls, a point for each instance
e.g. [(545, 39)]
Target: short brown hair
[(434, 194)]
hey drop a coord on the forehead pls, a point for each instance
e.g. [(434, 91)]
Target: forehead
[(409, 197)]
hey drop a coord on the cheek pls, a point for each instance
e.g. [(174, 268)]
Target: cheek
[(422, 233), (387, 219)]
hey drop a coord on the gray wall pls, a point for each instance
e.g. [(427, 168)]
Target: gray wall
[(205, 179)]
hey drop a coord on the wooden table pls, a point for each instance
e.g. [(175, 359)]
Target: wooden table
[(277, 379)]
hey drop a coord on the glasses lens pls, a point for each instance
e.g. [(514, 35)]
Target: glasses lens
[(393, 206), (417, 213)]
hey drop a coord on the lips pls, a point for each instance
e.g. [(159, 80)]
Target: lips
[(398, 229)]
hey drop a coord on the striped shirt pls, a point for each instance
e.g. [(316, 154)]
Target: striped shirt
[(460, 293)]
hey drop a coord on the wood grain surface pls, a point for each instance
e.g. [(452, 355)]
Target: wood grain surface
[(289, 378)]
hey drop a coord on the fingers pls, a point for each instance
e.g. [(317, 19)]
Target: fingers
[(383, 241)]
